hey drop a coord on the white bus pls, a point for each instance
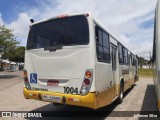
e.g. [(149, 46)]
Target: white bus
[(73, 59), (156, 54)]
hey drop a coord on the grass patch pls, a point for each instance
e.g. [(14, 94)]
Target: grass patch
[(145, 72)]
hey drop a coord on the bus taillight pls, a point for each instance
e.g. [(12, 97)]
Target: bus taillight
[(26, 81), (86, 85), (88, 74), (86, 81), (25, 73), (84, 90)]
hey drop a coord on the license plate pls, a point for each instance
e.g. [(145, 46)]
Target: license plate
[(52, 82), (51, 98)]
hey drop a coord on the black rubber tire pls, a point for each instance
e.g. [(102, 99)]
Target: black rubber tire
[(120, 99)]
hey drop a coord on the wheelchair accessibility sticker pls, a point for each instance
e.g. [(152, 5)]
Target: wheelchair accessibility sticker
[(33, 78)]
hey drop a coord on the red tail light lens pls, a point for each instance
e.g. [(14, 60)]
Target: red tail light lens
[(86, 81), (26, 79), (25, 73)]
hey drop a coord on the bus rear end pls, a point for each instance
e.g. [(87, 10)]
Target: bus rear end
[(58, 65)]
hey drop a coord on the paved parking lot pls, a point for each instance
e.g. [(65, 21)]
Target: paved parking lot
[(8, 79)]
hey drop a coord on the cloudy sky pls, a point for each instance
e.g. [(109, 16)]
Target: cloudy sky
[(131, 20)]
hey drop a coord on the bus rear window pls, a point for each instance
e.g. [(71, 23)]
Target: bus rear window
[(61, 31)]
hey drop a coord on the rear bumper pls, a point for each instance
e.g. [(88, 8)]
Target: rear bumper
[(88, 100)]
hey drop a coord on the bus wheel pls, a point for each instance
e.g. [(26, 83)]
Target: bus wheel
[(120, 99)]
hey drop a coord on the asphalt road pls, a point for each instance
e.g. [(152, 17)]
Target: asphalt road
[(138, 99), (8, 79)]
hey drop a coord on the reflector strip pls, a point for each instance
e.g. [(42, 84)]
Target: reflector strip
[(76, 100), (73, 99), (70, 99)]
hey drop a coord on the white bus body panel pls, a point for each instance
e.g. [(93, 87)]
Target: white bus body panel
[(67, 65), (157, 47), (104, 75)]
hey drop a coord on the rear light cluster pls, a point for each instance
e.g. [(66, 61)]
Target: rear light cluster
[(62, 16), (87, 82), (26, 82)]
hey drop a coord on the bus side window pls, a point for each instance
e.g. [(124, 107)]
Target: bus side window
[(106, 47), (102, 45), (99, 48), (100, 53), (100, 37), (125, 55), (120, 54), (97, 38), (133, 61)]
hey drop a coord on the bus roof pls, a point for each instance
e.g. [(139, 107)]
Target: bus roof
[(59, 16)]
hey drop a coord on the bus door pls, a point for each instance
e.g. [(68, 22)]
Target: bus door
[(114, 70)]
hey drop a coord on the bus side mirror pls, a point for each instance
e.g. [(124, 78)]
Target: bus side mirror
[(32, 21)]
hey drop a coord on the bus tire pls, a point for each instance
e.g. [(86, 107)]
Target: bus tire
[(120, 99)]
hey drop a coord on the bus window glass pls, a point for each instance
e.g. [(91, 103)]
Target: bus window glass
[(100, 37), (42, 42), (106, 54), (61, 31), (100, 53), (105, 40), (125, 51), (120, 53), (129, 59), (102, 45)]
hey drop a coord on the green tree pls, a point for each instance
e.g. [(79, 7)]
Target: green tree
[(141, 61), (19, 54), (8, 43)]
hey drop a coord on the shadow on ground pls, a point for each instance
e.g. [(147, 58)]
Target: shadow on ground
[(85, 113), (149, 105), (60, 111)]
